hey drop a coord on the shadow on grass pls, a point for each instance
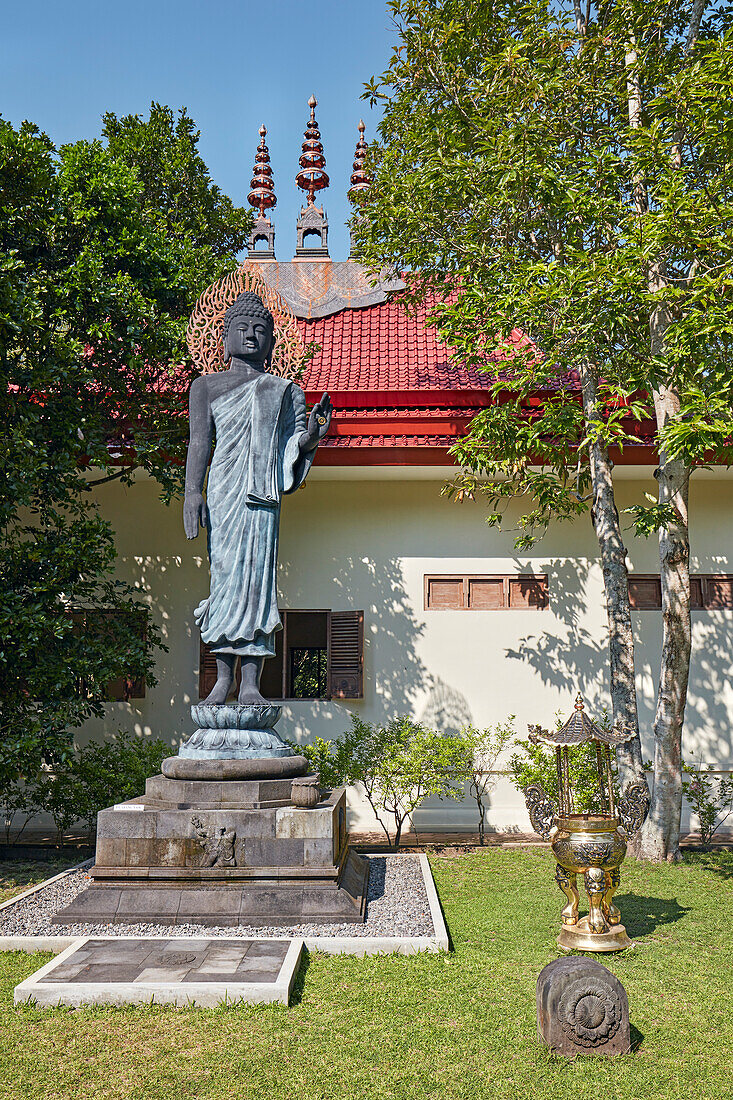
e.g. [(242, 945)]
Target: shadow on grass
[(642, 915), (637, 1038), (716, 862), (296, 995)]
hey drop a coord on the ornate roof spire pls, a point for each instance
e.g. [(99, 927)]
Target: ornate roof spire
[(312, 177), (262, 197), (360, 181), (359, 178)]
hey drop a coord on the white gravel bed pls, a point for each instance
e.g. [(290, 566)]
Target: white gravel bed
[(397, 905)]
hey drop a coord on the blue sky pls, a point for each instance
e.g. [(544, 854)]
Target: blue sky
[(233, 63)]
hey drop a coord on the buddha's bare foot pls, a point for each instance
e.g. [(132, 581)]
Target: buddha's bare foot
[(220, 690), (250, 695), (249, 689)]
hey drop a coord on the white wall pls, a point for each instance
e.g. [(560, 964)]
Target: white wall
[(365, 539)]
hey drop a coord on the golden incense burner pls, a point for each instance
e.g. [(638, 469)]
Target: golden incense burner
[(589, 844)]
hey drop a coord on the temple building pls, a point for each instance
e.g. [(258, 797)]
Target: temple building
[(396, 600)]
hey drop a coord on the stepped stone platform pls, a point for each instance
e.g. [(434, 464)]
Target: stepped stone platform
[(203, 972), (227, 848)]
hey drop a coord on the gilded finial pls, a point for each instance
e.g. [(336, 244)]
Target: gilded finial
[(579, 705)]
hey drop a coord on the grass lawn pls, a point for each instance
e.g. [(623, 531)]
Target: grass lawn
[(452, 1025), (17, 876)]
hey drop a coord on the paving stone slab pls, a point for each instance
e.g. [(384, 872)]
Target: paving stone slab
[(134, 970)]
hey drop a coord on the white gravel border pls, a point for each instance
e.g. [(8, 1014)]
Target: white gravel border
[(331, 945)]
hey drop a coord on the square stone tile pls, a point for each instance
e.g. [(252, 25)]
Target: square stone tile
[(277, 948), (162, 975), (129, 970)]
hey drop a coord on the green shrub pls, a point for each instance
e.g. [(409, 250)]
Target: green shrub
[(709, 796), (17, 798), (398, 764), (99, 775)]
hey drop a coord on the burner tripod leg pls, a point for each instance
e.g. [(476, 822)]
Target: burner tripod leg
[(567, 880)]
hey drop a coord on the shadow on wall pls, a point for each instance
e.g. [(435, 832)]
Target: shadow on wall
[(708, 733), (397, 682), (390, 630), (572, 659), (446, 709)]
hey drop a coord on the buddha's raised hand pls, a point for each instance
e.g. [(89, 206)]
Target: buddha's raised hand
[(319, 422)]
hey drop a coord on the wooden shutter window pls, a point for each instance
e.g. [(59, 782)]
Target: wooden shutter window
[(528, 592), (696, 600), (645, 593), (444, 593), (718, 593), (518, 591), (485, 593), (207, 670), (709, 593), (346, 655)]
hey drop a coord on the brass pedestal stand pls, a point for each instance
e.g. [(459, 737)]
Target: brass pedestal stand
[(578, 937), (589, 844)]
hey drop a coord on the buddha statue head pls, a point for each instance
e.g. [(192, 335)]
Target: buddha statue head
[(248, 331)]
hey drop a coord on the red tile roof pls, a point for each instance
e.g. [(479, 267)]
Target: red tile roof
[(381, 348), (399, 399)]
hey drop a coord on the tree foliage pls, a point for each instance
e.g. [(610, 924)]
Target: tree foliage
[(506, 169), (562, 171), (177, 187), (95, 290)]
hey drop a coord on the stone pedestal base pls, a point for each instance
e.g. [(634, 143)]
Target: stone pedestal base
[(222, 852)]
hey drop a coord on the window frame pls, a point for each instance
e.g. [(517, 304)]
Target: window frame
[(335, 656), (703, 579), (285, 612), (465, 580)]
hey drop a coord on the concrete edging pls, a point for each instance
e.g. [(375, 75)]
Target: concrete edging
[(331, 945)]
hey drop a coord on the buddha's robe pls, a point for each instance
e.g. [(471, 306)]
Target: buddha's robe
[(256, 460)]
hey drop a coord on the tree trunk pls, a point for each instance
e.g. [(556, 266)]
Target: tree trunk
[(616, 584), (661, 834)]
